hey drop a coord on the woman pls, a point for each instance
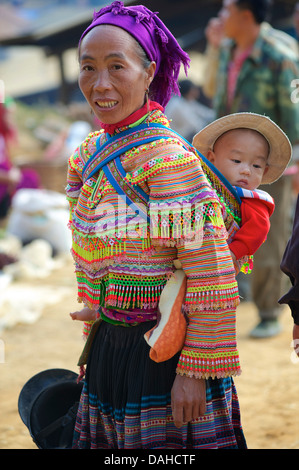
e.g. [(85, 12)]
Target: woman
[(124, 252)]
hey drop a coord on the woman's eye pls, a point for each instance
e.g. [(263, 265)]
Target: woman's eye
[(116, 67), (86, 68)]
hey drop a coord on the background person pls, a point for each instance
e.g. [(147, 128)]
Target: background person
[(290, 267), (11, 177)]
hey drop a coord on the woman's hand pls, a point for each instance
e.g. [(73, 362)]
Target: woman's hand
[(188, 399)]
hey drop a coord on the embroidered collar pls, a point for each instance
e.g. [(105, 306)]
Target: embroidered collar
[(139, 116)]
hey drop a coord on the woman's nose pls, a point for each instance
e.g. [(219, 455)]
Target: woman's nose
[(102, 81)]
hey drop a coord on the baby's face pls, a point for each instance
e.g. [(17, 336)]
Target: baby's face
[(241, 156)]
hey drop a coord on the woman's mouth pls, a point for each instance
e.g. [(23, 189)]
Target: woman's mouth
[(106, 104)]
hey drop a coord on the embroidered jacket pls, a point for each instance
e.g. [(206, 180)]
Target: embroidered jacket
[(123, 262)]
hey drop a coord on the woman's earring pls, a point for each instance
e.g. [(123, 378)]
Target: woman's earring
[(147, 104)]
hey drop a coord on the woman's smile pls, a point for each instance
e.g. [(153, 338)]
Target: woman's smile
[(106, 104)]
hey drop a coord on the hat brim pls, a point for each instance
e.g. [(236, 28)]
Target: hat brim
[(280, 152)]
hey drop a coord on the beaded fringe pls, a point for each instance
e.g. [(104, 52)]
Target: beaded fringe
[(124, 291), (212, 299), (95, 259), (205, 366), (137, 296)]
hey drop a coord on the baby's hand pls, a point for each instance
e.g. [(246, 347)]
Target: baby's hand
[(86, 314)]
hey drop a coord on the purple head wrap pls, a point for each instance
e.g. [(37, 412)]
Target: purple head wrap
[(156, 40)]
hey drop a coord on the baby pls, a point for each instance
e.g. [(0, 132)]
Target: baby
[(248, 150)]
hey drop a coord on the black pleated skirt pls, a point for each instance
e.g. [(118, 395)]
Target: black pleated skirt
[(126, 402)]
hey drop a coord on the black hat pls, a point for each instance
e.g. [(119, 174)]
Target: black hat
[(48, 405)]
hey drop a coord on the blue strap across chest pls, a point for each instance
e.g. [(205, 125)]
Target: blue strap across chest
[(114, 154)]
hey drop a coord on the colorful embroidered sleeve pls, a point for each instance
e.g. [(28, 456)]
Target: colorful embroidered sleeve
[(185, 213), (73, 188), (74, 179)]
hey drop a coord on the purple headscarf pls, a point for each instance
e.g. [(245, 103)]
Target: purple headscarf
[(156, 40)]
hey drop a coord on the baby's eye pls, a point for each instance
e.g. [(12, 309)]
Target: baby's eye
[(257, 166), (235, 160)]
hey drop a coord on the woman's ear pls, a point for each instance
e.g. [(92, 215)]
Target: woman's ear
[(151, 72)]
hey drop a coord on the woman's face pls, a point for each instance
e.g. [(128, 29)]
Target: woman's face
[(112, 75)]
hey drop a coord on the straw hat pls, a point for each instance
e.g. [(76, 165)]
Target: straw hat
[(280, 146)]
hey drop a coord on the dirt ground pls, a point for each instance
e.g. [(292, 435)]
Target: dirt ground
[(268, 387)]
